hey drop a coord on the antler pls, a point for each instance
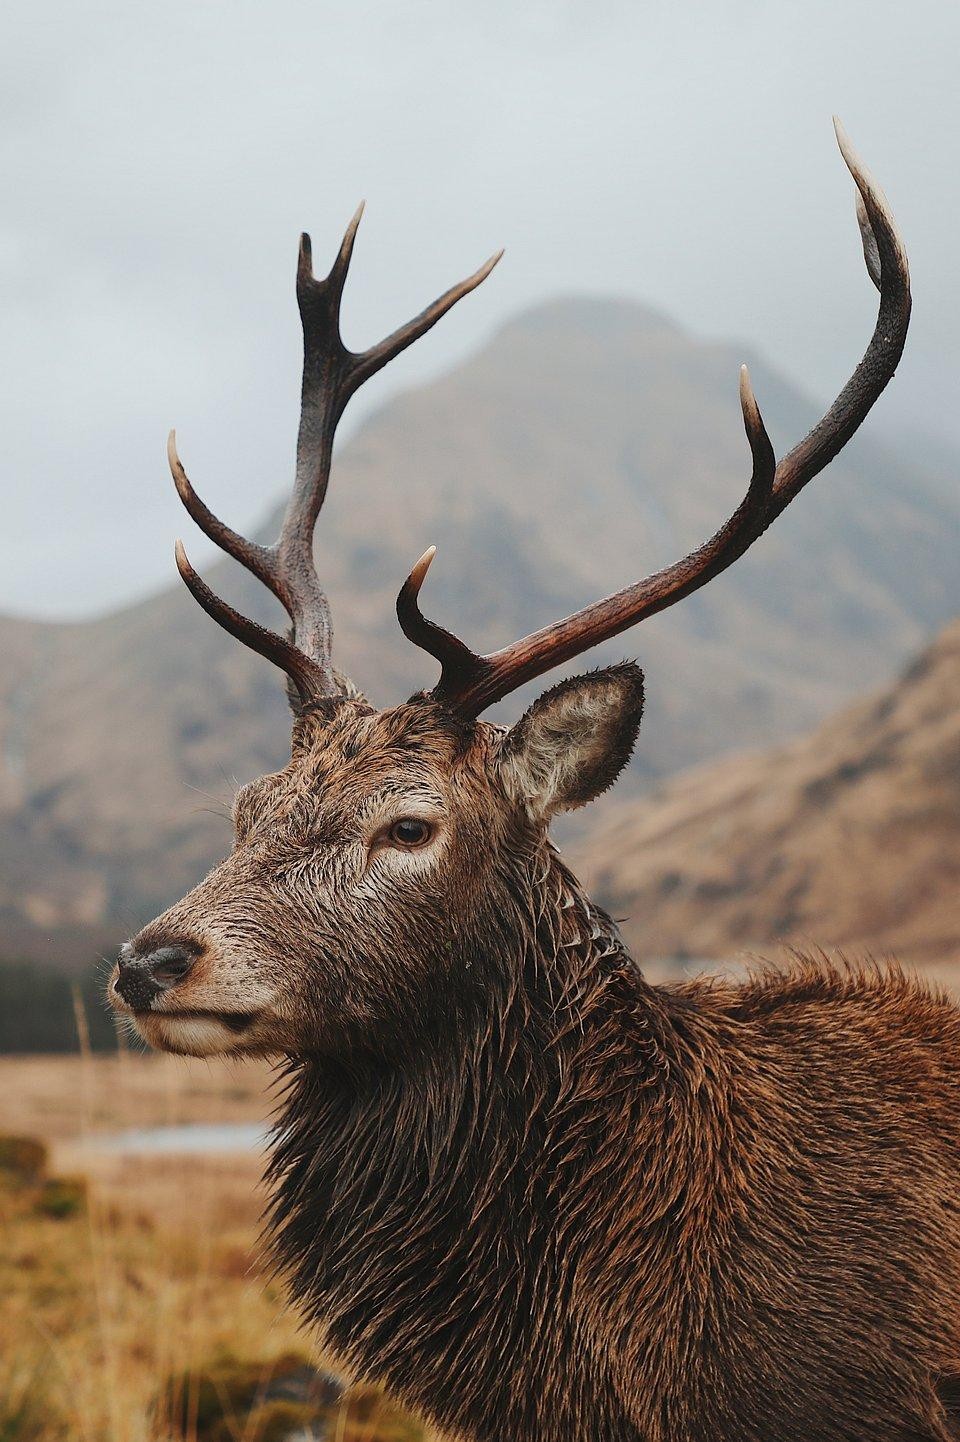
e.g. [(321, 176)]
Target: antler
[(469, 683), (331, 374)]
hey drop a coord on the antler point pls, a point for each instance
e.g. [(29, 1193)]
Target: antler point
[(419, 571), (349, 235), (305, 256), (843, 139), (176, 466), (851, 159)]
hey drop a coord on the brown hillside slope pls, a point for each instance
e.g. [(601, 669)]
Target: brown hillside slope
[(590, 441), (848, 838)]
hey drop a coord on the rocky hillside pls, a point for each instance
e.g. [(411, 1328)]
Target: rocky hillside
[(849, 838), (590, 441)]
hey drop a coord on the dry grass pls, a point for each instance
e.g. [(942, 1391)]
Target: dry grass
[(158, 1276), (57, 1098)]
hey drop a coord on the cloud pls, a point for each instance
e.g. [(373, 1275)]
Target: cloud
[(160, 160)]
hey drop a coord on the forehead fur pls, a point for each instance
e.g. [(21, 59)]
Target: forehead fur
[(363, 746)]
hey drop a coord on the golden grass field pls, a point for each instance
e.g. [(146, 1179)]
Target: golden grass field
[(155, 1275)]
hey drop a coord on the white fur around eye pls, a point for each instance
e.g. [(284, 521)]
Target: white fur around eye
[(382, 849)]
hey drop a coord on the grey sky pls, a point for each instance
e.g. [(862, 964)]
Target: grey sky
[(159, 161)]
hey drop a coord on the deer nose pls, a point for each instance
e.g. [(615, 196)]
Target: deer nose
[(141, 978)]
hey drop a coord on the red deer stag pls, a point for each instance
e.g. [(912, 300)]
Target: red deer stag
[(540, 1199)]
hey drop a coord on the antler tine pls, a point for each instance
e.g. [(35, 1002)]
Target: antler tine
[(255, 557), (888, 268), (331, 375), (469, 683), (303, 672), (372, 360), (457, 661)]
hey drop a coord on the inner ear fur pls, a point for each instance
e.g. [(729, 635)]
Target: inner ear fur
[(574, 740)]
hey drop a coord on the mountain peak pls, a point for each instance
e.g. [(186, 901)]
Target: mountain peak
[(589, 317)]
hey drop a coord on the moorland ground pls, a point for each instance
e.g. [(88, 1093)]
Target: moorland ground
[(148, 1269)]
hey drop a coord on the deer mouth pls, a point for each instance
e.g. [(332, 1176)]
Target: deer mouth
[(235, 1021), (195, 1031)]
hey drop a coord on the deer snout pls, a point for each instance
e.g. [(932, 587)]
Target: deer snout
[(143, 976)]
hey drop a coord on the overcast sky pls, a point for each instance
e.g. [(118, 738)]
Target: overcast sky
[(159, 161)]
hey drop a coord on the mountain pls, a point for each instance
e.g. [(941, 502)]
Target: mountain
[(589, 442), (848, 838)]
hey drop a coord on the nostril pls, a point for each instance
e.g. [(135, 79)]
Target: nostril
[(141, 977), (170, 964)]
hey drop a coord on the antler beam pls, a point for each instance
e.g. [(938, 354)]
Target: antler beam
[(331, 375), (469, 683)]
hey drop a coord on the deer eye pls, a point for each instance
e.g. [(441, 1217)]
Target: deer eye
[(410, 831)]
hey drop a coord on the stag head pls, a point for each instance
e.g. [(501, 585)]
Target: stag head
[(398, 868)]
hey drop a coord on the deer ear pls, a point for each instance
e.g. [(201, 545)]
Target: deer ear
[(574, 741)]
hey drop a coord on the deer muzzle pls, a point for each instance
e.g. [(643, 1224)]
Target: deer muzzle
[(143, 977)]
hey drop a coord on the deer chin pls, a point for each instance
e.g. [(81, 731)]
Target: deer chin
[(199, 1033)]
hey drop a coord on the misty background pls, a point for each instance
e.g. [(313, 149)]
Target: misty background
[(159, 162)]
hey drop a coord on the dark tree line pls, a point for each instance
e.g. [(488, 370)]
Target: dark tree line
[(38, 1010)]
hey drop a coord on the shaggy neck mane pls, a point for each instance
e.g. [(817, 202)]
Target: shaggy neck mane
[(431, 1211)]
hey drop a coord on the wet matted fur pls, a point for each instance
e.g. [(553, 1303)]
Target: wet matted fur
[(538, 1197)]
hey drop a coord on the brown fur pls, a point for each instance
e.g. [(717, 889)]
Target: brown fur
[(539, 1198)]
